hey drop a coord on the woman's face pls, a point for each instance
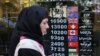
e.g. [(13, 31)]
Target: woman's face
[(44, 26)]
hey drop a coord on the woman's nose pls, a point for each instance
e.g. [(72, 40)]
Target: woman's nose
[(47, 26)]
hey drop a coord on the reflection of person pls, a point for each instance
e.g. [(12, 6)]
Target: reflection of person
[(27, 38)]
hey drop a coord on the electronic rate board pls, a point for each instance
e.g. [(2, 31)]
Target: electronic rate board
[(71, 24)]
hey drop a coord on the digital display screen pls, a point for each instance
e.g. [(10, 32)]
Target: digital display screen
[(71, 29)]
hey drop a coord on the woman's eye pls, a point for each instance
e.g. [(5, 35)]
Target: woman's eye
[(44, 22)]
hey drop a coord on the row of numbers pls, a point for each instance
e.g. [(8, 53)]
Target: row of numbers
[(59, 26), (58, 54), (58, 20), (58, 49), (57, 43), (58, 32), (57, 38)]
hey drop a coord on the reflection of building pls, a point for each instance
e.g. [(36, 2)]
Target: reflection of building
[(27, 3), (13, 7), (10, 9)]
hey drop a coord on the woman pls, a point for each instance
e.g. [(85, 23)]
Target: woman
[(27, 37)]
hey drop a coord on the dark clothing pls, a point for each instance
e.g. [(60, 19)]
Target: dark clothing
[(28, 52), (30, 45), (28, 25)]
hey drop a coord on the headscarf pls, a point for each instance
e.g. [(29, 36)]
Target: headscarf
[(28, 25)]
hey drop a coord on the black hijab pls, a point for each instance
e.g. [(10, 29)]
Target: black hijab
[(28, 25)]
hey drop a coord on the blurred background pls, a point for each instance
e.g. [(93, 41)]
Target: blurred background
[(9, 10)]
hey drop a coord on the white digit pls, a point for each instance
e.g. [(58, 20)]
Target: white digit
[(52, 37), (52, 43), (63, 49), (62, 38)]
